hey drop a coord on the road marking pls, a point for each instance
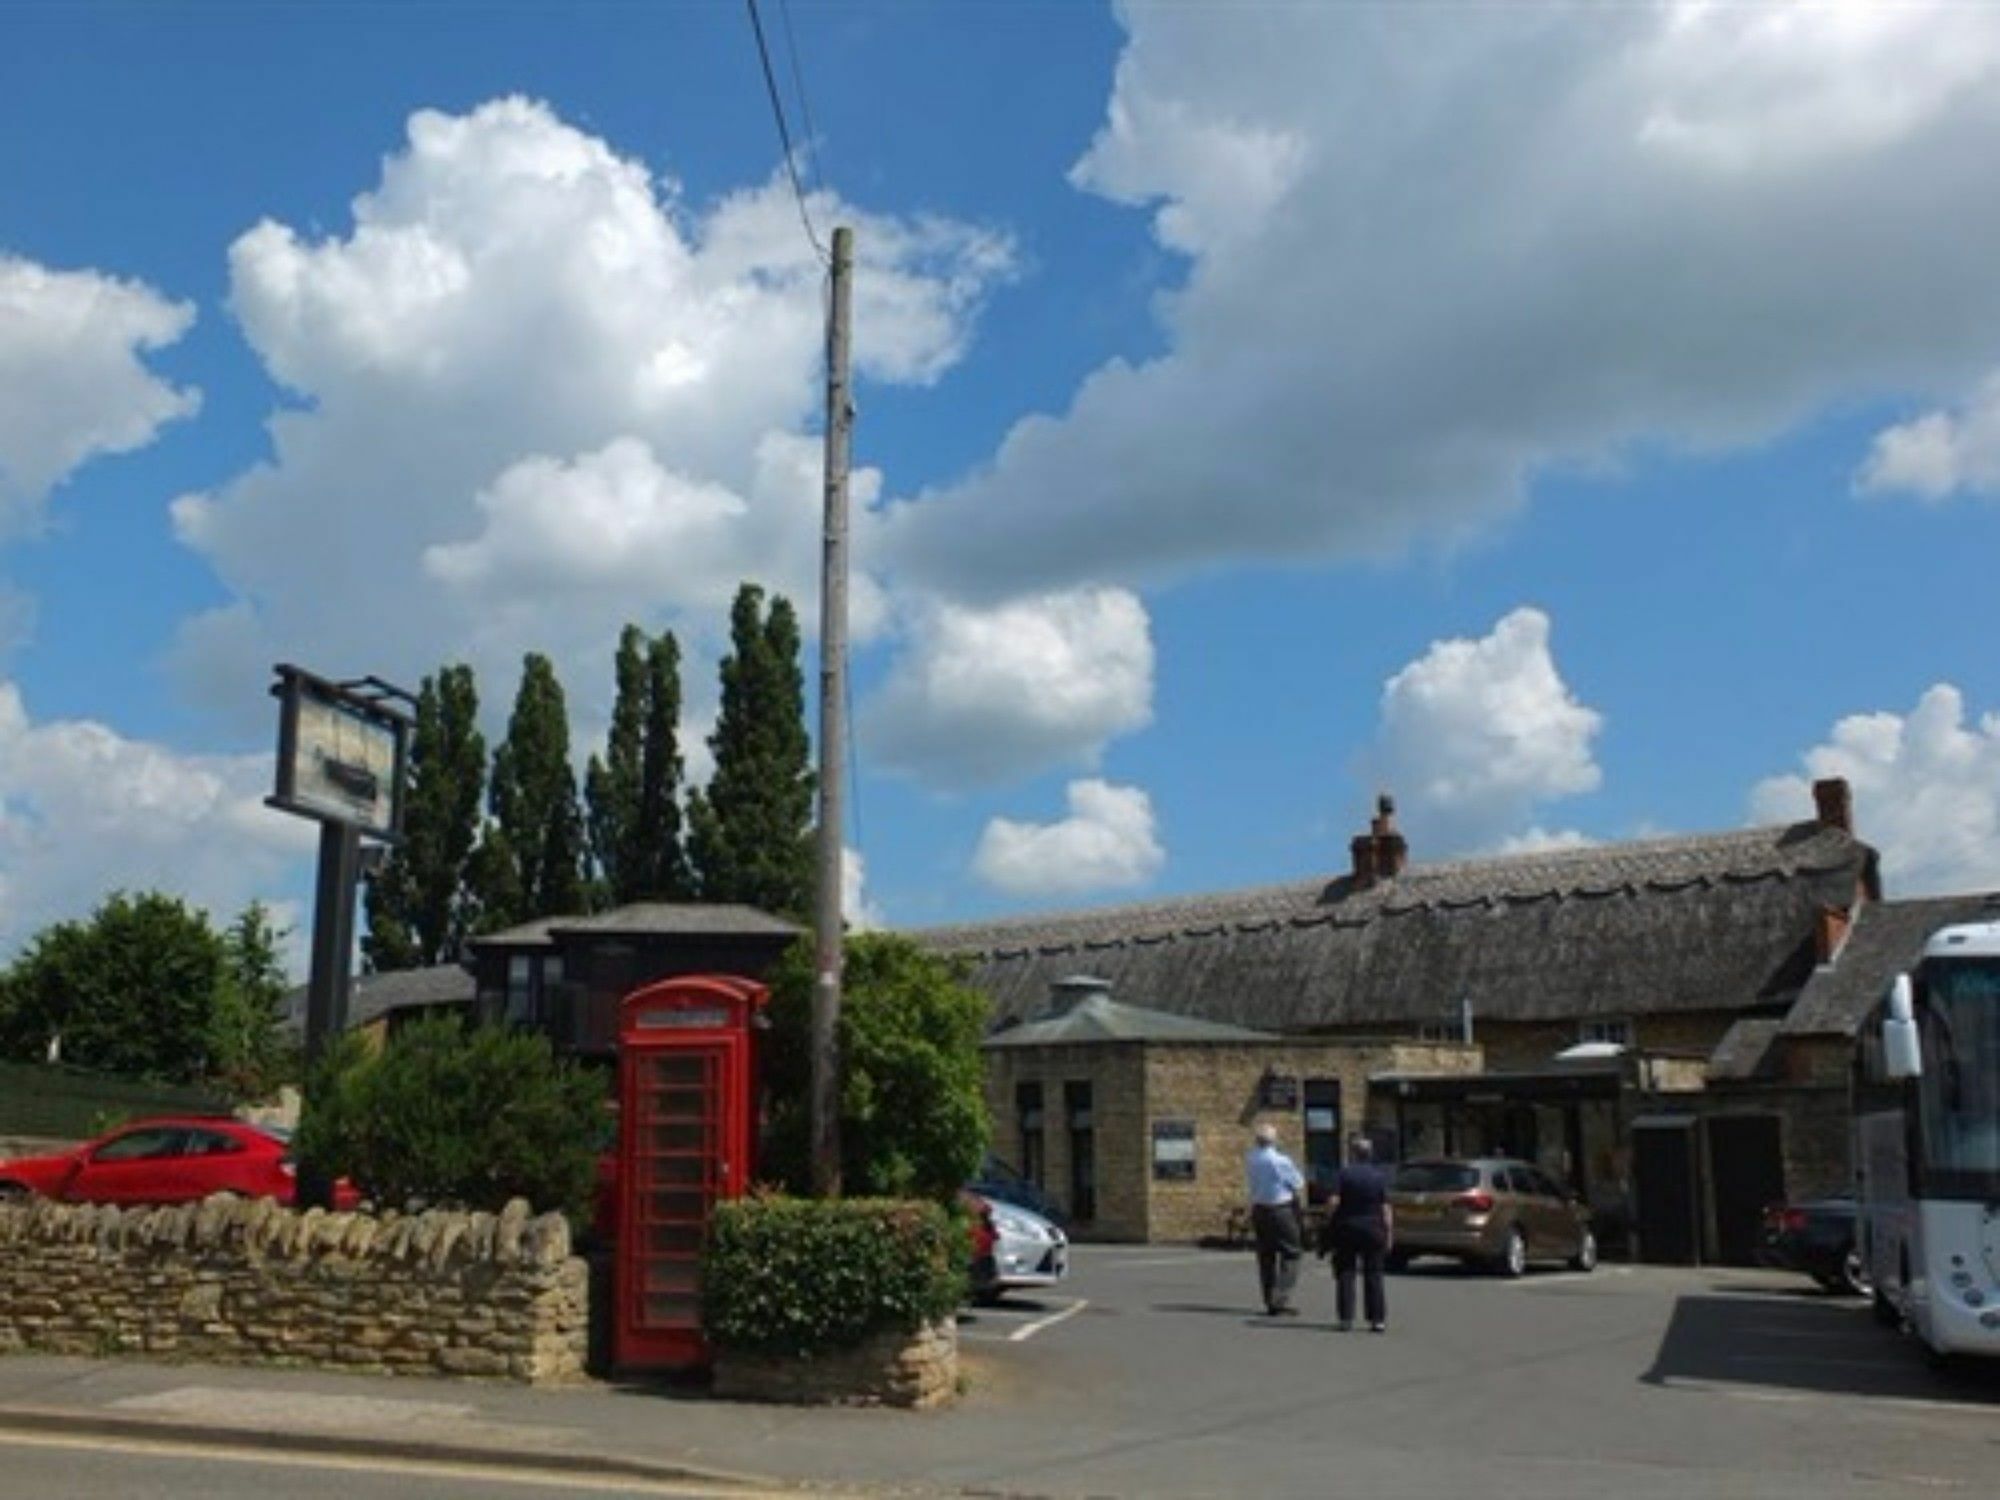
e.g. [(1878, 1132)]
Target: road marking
[(1192, 1259), (549, 1478), (1029, 1330)]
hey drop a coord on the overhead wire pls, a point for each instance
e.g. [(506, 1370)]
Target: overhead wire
[(784, 132)]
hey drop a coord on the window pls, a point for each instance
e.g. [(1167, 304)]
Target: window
[(1322, 1132), (1617, 1031), (1082, 1151), (1452, 1030), (211, 1143), (1028, 1110), (141, 1145), (1436, 1177), (520, 990)]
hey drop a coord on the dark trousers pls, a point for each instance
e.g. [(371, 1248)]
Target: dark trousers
[(1279, 1247), (1358, 1245)]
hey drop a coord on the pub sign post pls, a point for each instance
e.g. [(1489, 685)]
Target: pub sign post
[(343, 756)]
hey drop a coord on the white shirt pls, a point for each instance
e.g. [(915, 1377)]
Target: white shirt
[(1272, 1176)]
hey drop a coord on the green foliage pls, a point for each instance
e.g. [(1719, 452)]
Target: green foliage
[(913, 1113), (451, 1114), (132, 991), (417, 910), (633, 794), (247, 1050), (798, 1276), (534, 867), (750, 831)]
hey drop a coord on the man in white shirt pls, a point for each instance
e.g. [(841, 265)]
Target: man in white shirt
[(1275, 1182)]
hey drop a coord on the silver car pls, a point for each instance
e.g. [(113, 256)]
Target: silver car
[(1013, 1249)]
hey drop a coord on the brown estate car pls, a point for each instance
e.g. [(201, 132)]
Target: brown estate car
[(1489, 1211)]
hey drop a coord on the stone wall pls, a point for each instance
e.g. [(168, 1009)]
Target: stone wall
[(246, 1281), (891, 1369)]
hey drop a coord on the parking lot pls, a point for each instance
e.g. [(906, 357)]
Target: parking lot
[(1152, 1371)]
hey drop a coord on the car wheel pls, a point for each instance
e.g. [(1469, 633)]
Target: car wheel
[(1854, 1278), (1514, 1255), (1883, 1309), (11, 1192), (1585, 1258)]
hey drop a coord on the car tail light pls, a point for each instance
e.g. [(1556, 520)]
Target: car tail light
[(1474, 1203), (289, 1167), (1792, 1220)]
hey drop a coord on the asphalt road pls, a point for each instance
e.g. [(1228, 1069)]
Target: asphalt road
[(1633, 1381), (88, 1469)]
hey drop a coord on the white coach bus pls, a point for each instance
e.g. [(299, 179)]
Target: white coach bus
[(1927, 1127)]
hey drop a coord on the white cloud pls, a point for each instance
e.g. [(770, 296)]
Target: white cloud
[(860, 913), (1544, 841), (1477, 734), (84, 810), (1926, 792), (1941, 453), (541, 396), (1108, 842), (981, 695), (1434, 251), (72, 383)]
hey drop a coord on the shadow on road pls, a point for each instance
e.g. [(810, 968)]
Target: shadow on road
[(1827, 1345)]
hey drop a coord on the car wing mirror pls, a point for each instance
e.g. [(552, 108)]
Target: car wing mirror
[(1902, 1049)]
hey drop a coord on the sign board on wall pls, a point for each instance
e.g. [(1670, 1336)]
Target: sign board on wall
[(1277, 1091), (1173, 1150)]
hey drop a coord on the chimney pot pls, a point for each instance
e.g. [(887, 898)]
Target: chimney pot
[(1833, 801)]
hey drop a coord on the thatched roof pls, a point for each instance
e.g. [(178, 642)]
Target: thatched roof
[(646, 919), (1715, 921), (1099, 1018), (1887, 937)]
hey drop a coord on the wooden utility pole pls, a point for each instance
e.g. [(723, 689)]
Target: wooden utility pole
[(828, 927)]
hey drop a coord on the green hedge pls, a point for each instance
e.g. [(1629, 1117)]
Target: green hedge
[(71, 1104), (803, 1276)]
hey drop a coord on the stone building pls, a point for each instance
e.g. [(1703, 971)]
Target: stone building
[(1609, 990)]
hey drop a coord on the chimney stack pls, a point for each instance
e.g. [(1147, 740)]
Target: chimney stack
[(1834, 801), (1381, 852), (1829, 932)]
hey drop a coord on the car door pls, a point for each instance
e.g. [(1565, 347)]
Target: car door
[(215, 1162), (141, 1165), (1555, 1222)]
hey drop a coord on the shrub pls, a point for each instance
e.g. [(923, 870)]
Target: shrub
[(912, 1106), (451, 1114), (804, 1276)]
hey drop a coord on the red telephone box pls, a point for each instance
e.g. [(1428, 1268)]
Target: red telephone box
[(686, 1132)]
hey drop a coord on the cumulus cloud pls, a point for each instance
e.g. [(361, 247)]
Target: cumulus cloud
[(78, 800), (1108, 842), (1478, 734), (1926, 792), (1941, 453), (860, 913), (983, 694), (537, 395), (1433, 251), (72, 381)]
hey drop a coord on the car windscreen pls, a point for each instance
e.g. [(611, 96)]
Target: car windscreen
[(1436, 1177)]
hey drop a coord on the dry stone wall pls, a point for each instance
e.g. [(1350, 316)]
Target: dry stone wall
[(917, 1370), (247, 1281)]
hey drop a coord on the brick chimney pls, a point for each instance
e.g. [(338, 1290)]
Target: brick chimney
[(1381, 852), (1392, 850), (1830, 931), (1834, 801)]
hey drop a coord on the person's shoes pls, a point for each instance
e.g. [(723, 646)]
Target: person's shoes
[(1378, 1328), (1284, 1312)]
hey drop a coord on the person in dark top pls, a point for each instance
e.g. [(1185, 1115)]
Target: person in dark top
[(1359, 1230)]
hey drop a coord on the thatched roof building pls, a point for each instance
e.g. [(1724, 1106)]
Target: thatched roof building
[(1711, 922)]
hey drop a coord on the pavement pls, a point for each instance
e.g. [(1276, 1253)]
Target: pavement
[(1151, 1373)]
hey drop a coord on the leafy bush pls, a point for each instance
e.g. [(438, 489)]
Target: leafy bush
[(912, 1108), (451, 1114), (803, 1276)]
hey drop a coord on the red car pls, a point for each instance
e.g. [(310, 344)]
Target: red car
[(167, 1161)]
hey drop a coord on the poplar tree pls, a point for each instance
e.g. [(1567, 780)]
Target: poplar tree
[(417, 905), (530, 863), (633, 793), (751, 830)]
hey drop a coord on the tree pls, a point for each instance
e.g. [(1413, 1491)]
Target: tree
[(531, 860), (912, 1111), (633, 794), (246, 1045), (132, 991), (751, 831), (451, 1114), (417, 907)]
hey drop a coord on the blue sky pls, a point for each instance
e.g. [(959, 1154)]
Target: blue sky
[(1579, 422)]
